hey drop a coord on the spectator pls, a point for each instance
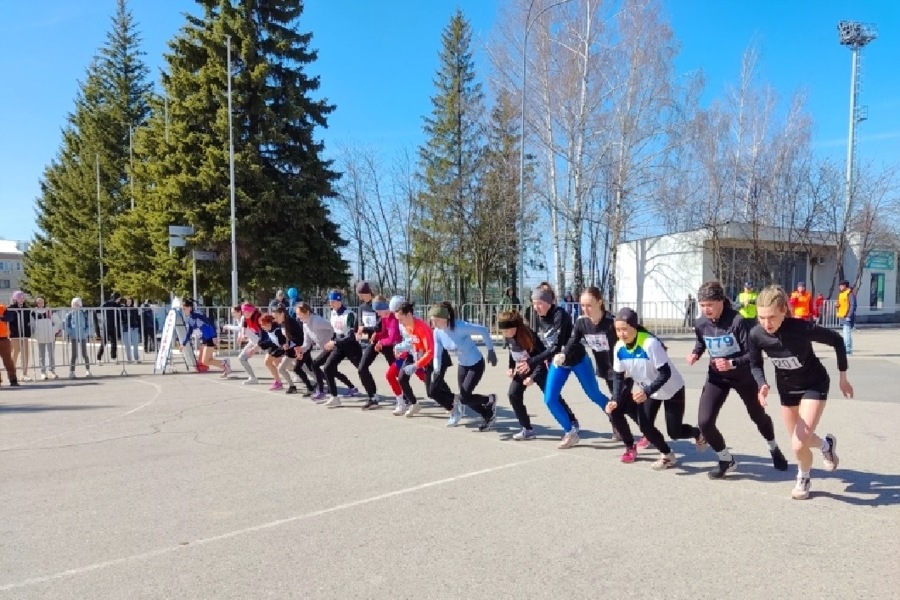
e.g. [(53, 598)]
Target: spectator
[(45, 326), (148, 324), (801, 302), (131, 329), (110, 320), (846, 312), (280, 300), (819, 308), (690, 309), (19, 330)]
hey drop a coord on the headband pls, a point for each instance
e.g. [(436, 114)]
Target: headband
[(507, 324), (381, 305), (542, 295)]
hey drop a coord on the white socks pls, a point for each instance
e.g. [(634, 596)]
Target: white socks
[(773, 445), (725, 455)]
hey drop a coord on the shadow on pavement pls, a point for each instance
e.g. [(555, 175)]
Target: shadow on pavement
[(37, 387)]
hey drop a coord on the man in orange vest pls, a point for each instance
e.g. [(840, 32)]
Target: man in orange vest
[(801, 302), (6, 348), (846, 312)]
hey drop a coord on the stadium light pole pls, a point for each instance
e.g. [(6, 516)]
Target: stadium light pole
[(529, 22)]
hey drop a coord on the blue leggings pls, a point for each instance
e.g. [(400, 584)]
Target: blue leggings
[(556, 379)]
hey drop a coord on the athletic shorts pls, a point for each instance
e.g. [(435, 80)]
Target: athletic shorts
[(792, 398), (209, 343)]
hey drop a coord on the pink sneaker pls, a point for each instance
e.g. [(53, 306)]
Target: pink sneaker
[(643, 443), (276, 386), (630, 455)]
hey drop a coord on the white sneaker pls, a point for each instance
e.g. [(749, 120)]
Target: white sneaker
[(43, 377), (250, 381), (87, 373), (413, 410), (334, 402), (801, 489), (569, 440), (401, 408), (71, 374), (52, 375)]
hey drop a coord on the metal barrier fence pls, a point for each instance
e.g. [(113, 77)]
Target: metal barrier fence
[(50, 338)]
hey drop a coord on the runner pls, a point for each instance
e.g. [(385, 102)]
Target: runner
[(197, 320), (455, 334), (422, 357), (523, 343), (382, 341), (250, 331), (292, 331), (343, 345), (274, 343), (402, 353), (556, 327), (317, 331), (723, 333), (597, 330), (800, 378), (656, 382)]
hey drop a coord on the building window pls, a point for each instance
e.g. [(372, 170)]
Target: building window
[(4, 284), (3, 266), (18, 265)]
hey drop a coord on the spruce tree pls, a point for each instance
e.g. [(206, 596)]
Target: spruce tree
[(284, 232), (451, 158), (64, 260)]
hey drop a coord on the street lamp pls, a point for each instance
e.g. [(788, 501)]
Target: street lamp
[(234, 268), (528, 23)]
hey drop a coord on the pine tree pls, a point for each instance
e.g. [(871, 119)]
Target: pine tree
[(495, 230), (64, 260), (284, 233), (451, 158)]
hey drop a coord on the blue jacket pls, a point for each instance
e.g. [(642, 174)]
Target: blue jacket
[(78, 325), (460, 339), (197, 320)]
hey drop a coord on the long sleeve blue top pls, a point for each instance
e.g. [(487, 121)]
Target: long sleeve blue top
[(460, 339)]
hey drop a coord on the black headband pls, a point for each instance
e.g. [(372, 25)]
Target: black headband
[(507, 324)]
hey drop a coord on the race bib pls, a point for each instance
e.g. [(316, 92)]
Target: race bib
[(722, 346), (369, 320), (597, 342), (788, 363), (519, 356)]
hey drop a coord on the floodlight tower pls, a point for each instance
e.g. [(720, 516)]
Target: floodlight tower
[(855, 36)]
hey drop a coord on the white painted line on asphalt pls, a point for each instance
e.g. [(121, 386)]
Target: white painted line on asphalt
[(270, 525), (158, 393)]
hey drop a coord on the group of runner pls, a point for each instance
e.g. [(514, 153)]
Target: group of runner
[(634, 363)]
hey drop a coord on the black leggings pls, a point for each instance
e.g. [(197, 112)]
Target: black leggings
[(713, 398), (436, 387), (468, 378), (675, 425), (369, 354), (326, 365), (301, 374), (626, 407), (516, 395)]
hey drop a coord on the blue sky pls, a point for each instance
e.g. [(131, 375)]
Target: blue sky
[(378, 59)]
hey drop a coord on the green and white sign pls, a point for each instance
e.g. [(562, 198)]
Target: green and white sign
[(879, 260)]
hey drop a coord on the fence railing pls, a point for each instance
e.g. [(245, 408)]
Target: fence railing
[(50, 338)]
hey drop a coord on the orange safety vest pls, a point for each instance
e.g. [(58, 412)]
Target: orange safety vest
[(4, 326), (802, 304)]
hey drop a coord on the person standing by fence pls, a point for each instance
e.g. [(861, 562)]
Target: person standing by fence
[(747, 301), (801, 303), (45, 327), (20, 330), (78, 329), (5, 347), (846, 313), (131, 330)]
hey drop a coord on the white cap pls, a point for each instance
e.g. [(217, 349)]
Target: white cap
[(395, 303)]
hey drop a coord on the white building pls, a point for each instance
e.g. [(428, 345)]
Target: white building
[(12, 267), (655, 275)]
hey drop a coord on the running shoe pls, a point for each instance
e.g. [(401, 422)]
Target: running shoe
[(569, 440), (665, 461), (292, 389), (334, 402), (413, 410), (319, 397), (87, 373), (226, 368), (400, 409), (371, 403), (250, 381), (52, 375), (830, 457), (722, 468), (630, 455), (643, 443), (43, 377), (801, 489), (351, 393), (524, 435), (309, 392), (778, 459), (71, 374), (489, 421), (275, 387), (455, 414)]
